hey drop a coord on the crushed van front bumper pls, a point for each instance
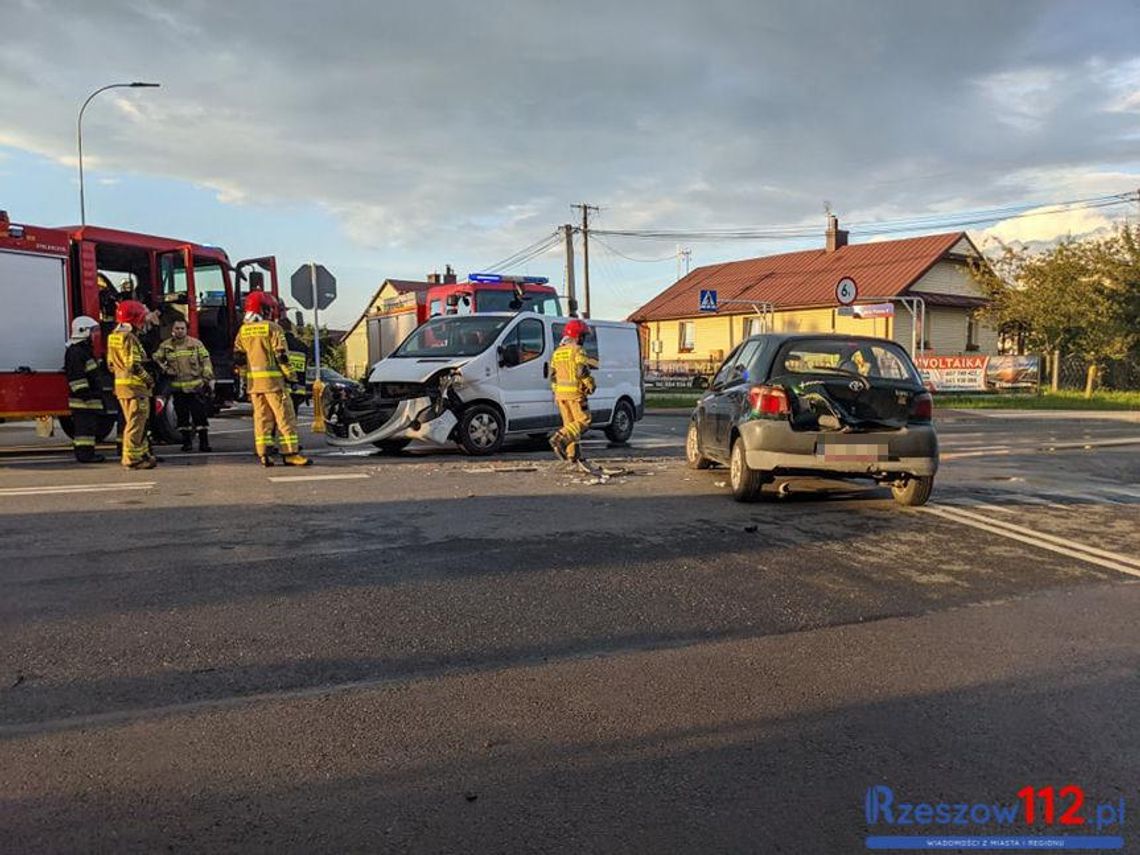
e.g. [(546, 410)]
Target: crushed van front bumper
[(408, 412)]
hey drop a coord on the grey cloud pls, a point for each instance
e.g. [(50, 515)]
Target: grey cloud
[(414, 121)]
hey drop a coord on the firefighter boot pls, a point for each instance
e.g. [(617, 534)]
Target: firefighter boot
[(558, 446), (89, 455), (266, 460), (204, 440), (187, 439), (295, 460)]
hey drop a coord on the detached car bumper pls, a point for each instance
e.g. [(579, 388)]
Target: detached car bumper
[(772, 446), (406, 414)]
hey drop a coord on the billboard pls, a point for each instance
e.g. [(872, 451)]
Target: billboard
[(979, 373)]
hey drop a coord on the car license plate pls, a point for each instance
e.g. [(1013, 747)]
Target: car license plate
[(852, 452)]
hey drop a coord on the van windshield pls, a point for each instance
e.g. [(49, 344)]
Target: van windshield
[(464, 335)]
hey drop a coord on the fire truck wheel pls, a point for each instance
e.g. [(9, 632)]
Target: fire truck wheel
[(104, 429)]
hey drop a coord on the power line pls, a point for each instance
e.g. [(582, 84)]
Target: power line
[(671, 256), (525, 254), (914, 223)]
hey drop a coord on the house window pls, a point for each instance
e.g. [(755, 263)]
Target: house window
[(972, 333), (688, 340)]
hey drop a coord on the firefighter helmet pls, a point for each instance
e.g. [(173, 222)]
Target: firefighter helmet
[(82, 326), (260, 303), (575, 329), (131, 312)]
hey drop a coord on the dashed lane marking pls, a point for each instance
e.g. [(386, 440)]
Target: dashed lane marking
[(74, 488), (1052, 543), (287, 479)]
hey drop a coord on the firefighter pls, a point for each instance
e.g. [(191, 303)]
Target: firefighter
[(260, 349), (84, 389), (133, 382), (572, 384), (186, 362), (299, 360)]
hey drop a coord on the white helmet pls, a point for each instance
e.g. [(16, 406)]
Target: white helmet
[(82, 326)]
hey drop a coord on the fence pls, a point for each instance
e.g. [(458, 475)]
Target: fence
[(1115, 374)]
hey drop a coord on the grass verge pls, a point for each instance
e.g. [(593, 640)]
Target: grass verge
[(1063, 400)]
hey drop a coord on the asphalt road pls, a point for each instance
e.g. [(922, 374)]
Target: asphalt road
[(434, 653)]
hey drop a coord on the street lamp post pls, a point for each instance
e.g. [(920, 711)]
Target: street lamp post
[(79, 135)]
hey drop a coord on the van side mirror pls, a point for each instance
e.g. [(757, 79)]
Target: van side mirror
[(509, 355), (452, 300)]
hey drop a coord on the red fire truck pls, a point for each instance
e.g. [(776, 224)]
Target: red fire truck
[(50, 275), (482, 292)]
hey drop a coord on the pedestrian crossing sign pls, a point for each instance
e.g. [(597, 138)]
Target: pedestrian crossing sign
[(708, 301)]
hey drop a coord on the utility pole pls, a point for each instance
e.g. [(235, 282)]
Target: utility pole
[(586, 251), (683, 256), (571, 293)]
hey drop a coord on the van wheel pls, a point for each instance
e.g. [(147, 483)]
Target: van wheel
[(693, 456), (481, 430), (746, 483), (621, 425), (915, 492)]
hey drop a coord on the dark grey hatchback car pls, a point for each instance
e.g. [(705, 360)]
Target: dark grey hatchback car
[(817, 405)]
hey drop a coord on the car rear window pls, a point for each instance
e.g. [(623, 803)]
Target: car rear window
[(877, 360)]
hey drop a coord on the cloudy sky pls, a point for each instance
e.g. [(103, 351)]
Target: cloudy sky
[(387, 139)]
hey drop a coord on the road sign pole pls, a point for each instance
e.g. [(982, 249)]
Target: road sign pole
[(316, 318)]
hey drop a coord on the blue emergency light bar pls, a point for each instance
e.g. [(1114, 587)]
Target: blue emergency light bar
[(494, 278)]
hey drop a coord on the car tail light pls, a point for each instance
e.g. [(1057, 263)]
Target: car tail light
[(769, 401), (922, 407)]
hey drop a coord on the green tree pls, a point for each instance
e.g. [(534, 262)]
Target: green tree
[(332, 352), (1079, 297)]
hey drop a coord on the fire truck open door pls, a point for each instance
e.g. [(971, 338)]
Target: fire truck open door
[(176, 299)]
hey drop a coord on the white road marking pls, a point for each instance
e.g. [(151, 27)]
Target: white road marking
[(1061, 546), (960, 454), (73, 488), (284, 479)]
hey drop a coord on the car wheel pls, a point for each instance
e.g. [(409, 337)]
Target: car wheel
[(621, 425), (916, 491), (392, 446), (693, 456), (746, 483), (481, 430)]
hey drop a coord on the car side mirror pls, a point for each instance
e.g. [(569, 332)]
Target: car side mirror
[(256, 280)]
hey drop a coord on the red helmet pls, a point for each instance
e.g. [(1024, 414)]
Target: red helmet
[(260, 303), (575, 329), (131, 312)]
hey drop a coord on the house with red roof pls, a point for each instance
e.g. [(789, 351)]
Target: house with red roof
[(921, 287)]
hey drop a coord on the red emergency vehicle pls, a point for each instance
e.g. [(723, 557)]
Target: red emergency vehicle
[(50, 275), (482, 292)]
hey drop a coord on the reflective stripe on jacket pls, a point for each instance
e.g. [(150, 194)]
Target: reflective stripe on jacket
[(84, 385), (127, 361), (261, 346), (569, 370), (186, 361)]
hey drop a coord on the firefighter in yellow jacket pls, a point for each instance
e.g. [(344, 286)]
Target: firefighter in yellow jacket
[(261, 350), (187, 362), (133, 383), (572, 384)]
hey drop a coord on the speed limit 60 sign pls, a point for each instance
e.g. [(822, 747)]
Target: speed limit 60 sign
[(846, 291)]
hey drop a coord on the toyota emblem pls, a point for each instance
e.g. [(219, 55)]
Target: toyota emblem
[(856, 385)]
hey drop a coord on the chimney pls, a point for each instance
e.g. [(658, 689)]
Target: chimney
[(836, 237), (434, 278), (449, 276)]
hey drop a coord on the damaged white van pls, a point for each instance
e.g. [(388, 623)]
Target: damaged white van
[(478, 380)]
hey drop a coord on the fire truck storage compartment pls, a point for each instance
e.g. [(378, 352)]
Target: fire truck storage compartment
[(33, 320), (387, 332)]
